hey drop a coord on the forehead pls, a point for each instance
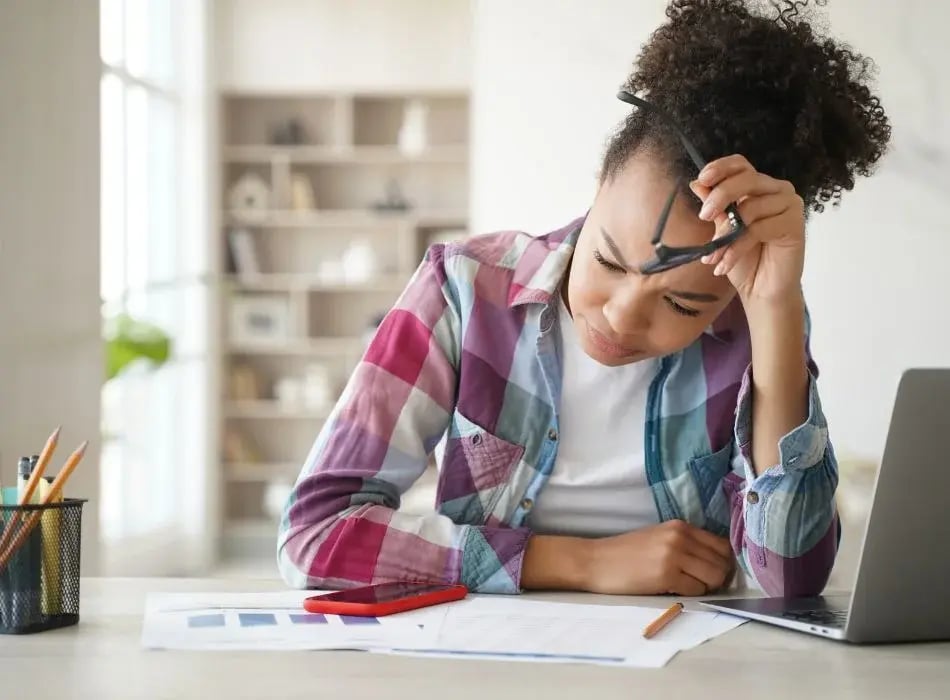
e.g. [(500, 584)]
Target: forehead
[(633, 202)]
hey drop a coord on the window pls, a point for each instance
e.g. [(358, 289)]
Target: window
[(154, 419)]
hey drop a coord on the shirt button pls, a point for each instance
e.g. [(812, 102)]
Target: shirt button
[(527, 504), (476, 439), (552, 434), (752, 497)]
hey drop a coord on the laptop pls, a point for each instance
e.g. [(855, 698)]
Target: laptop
[(901, 591)]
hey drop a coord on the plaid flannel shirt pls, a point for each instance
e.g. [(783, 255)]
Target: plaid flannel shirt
[(470, 348)]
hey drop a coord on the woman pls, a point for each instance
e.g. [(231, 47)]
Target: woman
[(620, 417)]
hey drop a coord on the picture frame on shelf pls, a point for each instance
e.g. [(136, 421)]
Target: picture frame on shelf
[(260, 318)]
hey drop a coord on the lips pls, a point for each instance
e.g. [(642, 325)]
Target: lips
[(600, 341)]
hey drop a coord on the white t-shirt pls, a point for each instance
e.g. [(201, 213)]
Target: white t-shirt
[(598, 486)]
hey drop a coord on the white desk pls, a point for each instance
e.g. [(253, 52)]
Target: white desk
[(101, 659)]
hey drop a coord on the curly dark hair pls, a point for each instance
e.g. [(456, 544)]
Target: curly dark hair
[(737, 80)]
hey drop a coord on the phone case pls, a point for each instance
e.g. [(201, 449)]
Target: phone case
[(316, 604)]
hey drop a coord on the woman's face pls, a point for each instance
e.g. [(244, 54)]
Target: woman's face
[(620, 315)]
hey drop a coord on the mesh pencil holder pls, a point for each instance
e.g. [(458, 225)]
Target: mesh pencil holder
[(39, 566)]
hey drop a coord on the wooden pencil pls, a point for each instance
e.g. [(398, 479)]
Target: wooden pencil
[(55, 488), (40, 467), (663, 620), (48, 449)]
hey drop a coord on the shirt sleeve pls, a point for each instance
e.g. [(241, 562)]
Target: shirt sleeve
[(784, 524), (341, 526)]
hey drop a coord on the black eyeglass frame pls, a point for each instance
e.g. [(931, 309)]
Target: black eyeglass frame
[(667, 257)]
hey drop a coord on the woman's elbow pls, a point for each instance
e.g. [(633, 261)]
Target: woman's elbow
[(795, 577)]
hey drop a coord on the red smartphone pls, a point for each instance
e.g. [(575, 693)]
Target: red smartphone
[(384, 598)]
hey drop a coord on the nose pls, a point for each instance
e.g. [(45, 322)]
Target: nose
[(627, 311)]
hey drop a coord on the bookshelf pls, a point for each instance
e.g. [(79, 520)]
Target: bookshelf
[(328, 202)]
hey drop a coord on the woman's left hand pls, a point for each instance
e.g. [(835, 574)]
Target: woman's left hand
[(765, 263)]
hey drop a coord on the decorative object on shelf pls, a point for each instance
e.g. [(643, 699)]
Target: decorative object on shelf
[(302, 197), (242, 252), (358, 262), (250, 195), (330, 271), (289, 132), (245, 384), (275, 496), (394, 201), (413, 131), (287, 391), (317, 387), (260, 318), (238, 448)]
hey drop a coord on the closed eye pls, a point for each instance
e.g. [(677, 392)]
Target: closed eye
[(680, 309), (613, 267)]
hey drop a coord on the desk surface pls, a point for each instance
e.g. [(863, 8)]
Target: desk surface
[(101, 659)]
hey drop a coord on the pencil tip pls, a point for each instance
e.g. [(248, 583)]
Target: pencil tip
[(55, 434)]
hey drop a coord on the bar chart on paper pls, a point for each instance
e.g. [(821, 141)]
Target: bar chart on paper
[(268, 621)]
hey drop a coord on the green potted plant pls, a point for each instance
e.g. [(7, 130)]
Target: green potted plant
[(129, 340)]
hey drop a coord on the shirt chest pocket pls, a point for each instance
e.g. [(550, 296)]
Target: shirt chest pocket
[(476, 471)]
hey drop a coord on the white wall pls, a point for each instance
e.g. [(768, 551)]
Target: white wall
[(50, 350), (544, 77), (328, 44)]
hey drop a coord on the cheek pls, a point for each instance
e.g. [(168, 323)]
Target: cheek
[(586, 287), (670, 333)]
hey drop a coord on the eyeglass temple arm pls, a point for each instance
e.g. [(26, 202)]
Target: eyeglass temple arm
[(694, 155), (665, 214)]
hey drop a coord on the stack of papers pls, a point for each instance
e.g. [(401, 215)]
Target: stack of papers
[(485, 627), (479, 627)]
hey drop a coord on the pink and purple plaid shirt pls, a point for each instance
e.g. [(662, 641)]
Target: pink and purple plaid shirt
[(469, 352)]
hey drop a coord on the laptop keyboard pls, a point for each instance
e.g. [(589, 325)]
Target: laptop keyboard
[(822, 618)]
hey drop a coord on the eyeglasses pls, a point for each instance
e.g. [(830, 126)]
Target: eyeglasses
[(667, 257)]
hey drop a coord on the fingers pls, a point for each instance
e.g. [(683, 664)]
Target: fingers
[(723, 226), (744, 183), (715, 558), (722, 221), (751, 209), (684, 584), (716, 170), (697, 553), (709, 575), (765, 206), (715, 551), (720, 545)]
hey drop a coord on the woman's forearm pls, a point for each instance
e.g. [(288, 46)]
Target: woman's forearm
[(555, 563), (779, 375)]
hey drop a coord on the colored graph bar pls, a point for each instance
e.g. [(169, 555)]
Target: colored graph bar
[(199, 621), (257, 619), (308, 619), (357, 620)]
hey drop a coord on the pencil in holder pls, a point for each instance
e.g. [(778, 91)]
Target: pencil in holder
[(39, 566)]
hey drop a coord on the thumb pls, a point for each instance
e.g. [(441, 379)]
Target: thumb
[(722, 222)]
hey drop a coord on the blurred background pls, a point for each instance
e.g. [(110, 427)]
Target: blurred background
[(206, 205)]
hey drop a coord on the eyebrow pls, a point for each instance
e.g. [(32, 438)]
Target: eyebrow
[(695, 296), (615, 251)]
